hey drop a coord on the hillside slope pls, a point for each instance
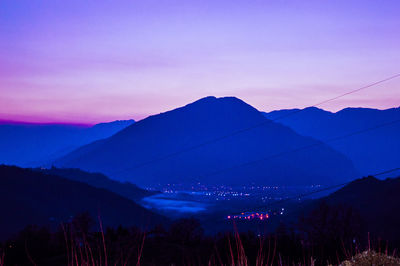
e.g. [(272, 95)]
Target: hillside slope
[(31, 197), (376, 201)]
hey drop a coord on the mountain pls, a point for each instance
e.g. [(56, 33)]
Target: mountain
[(36, 144), (98, 180), (31, 197), (141, 152), (372, 151), (376, 201)]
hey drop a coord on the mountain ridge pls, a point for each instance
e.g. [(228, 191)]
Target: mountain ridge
[(31, 144), (370, 151)]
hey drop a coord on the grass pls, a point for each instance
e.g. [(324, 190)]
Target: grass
[(81, 253), (2, 255), (102, 249)]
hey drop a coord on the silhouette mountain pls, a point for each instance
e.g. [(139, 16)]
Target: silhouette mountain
[(36, 144), (31, 197), (374, 200), (370, 151), (125, 155), (98, 180)]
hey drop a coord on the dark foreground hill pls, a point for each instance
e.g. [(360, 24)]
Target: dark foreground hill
[(370, 151), (365, 206), (98, 180), (31, 197), (28, 145), (377, 201), (141, 152)]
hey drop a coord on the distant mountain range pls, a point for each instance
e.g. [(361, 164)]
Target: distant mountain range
[(31, 197), (371, 151), (28, 145), (159, 149), (141, 153)]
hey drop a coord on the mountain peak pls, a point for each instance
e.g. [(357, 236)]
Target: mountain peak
[(206, 99), (218, 100), (316, 110), (210, 106)]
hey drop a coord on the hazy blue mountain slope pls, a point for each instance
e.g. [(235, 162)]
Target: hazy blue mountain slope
[(125, 155), (371, 151), (35, 144), (125, 189)]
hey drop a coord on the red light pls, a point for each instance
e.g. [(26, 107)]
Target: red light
[(229, 217)]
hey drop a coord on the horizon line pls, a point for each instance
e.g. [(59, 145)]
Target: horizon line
[(7, 121)]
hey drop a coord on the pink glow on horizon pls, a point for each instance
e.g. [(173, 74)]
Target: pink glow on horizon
[(94, 62)]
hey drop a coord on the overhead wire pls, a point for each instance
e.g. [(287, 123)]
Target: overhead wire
[(217, 139)]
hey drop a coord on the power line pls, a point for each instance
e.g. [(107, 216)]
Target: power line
[(335, 186), (319, 143), (308, 147), (327, 188), (173, 154), (359, 89)]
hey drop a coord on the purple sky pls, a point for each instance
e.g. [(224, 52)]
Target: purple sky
[(86, 61)]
